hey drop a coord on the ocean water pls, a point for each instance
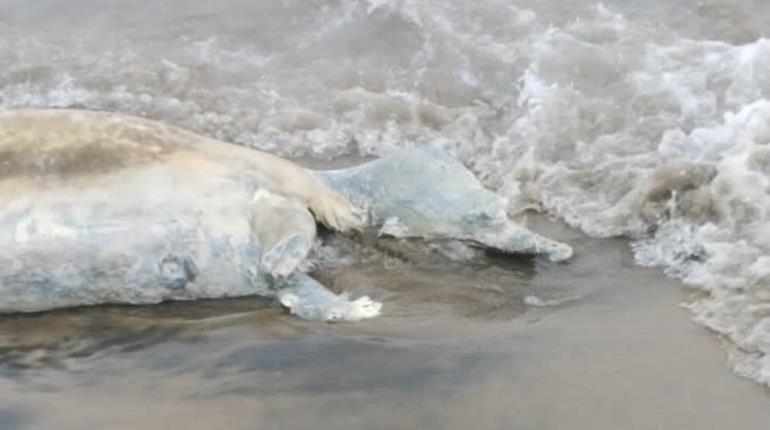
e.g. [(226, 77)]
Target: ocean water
[(647, 120)]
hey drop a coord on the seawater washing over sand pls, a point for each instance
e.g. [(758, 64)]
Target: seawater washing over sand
[(455, 348), (643, 119)]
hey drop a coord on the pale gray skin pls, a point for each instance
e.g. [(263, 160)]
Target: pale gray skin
[(104, 208), (425, 193)]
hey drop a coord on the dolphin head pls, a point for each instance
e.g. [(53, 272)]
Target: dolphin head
[(425, 193)]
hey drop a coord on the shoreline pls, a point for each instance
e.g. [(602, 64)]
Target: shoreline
[(625, 354)]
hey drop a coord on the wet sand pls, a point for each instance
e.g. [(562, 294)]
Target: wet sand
[(456, 348)]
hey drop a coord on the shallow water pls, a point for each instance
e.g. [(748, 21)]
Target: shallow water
[(640, 119), (446, 354)]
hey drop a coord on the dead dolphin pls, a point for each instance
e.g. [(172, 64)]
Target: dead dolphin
[(100, 208)]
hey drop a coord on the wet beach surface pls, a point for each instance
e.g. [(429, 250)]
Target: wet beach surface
[(457, 347)]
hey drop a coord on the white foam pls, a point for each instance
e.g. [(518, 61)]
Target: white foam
[(540, 302)]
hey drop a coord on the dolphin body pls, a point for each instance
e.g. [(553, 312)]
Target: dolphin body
[(99, 208)]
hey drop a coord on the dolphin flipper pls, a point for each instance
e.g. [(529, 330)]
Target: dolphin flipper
[(310, 300)]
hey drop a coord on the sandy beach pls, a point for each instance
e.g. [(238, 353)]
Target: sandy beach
[(619, 353)]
